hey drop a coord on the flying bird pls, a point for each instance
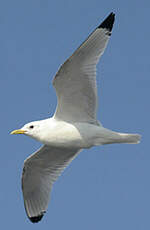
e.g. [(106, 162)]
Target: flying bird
[(74, 125)]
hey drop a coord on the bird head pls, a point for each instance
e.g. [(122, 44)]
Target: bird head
[(31, 129)]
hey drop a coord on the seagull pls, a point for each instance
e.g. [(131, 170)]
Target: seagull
[(74, 125)]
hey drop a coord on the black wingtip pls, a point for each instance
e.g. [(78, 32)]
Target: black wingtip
[(35, 219), (108, 22)]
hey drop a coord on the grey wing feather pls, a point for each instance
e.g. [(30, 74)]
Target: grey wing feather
[(75, 82), (40, 170)]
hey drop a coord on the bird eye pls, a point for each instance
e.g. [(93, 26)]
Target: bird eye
[(31, 127)]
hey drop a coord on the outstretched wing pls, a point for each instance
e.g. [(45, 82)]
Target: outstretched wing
[(40, 170), (75, 82)]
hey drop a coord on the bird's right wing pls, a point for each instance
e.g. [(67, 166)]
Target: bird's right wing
[(75, 82), (40, 170)]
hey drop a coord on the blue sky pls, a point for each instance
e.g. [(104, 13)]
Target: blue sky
[(105, 187)]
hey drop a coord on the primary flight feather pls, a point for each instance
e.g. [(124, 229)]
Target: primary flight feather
[(74, 125)]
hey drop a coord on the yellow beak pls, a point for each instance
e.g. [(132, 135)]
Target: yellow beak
[(18, 131)]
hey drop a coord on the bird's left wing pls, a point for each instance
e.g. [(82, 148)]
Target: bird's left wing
[(40, 170), (75, 82)]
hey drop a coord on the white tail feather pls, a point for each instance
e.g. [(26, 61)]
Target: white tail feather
[(107, 136), (129, 138)]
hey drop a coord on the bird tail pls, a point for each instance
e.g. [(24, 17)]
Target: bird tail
[(107, 136), (129, 138)]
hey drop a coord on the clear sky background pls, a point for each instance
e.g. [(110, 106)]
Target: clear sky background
[(105, 187)]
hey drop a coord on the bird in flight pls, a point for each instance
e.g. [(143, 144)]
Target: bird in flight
[(74, 125)]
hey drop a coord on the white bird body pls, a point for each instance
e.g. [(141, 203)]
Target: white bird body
[(74, 125), (57, 133)]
